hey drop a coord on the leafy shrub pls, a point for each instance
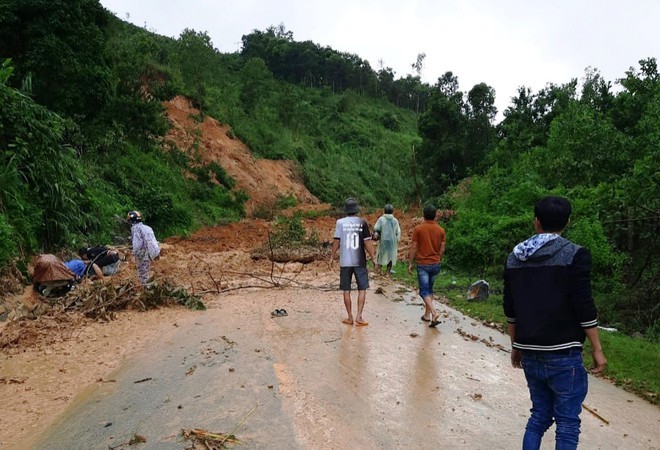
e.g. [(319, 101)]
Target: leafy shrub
[(588, 232), (270, 209), (105, 202), (285, 201), (7, 246), (221, 175), (479, 242), (41, 171), (291, 232), (390, 121), (346, 102)]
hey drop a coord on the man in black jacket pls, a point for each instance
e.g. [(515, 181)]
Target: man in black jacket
[(550, 311)]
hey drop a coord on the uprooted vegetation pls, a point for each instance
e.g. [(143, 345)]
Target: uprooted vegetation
[(101, 301), (290, 241), (96, 301), (206, 440)]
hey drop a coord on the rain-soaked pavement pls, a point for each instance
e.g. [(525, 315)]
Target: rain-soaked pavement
[(306, 381)]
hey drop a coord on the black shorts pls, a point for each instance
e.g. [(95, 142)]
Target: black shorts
[(346, 276)]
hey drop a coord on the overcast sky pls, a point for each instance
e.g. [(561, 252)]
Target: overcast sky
[(506, 43)]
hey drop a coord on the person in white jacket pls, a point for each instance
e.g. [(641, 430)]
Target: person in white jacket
[(145, 245), (388, 236)]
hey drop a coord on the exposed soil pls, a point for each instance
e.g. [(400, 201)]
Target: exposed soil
[(262, 179)]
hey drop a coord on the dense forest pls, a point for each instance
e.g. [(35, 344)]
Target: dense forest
[(81, 127)]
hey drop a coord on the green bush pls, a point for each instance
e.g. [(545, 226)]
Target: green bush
[(588, 232), (390, 121), (291, 232), (479, 242), (42, 175), (220, 175), (7, 241), (285, 201)]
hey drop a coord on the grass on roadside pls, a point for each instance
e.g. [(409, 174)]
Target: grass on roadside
[(453, 287), (633, 363)]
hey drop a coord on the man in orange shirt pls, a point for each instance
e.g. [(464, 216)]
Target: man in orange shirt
[(427, 249)]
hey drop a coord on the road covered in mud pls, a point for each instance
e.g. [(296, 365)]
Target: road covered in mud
[(308, 381)]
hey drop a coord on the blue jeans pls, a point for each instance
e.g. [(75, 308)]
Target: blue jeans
[(426, 276), (557, 386)]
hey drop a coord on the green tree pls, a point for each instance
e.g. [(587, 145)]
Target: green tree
[(443, 129), (256, 78), (456, 134), (527, 121), (386, 82), (196, 58), (640, 90), (480, 134), (60, 46), (42, 182), (597, 92)]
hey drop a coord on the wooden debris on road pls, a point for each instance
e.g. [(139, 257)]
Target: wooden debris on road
[(203, 439), (593, 411)]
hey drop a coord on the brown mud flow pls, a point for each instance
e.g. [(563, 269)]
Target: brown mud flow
[(319, 384)]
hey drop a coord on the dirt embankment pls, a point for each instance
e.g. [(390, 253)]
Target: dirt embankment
[(262, 179)]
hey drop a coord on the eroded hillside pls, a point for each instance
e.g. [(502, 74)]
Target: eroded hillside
[(263, 180)]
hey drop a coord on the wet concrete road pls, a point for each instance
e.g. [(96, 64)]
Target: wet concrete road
[(319, 384)]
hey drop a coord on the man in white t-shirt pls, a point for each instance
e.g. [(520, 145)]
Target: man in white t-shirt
[(353, 240)]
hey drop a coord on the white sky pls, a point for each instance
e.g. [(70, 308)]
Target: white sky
[(505, 43)]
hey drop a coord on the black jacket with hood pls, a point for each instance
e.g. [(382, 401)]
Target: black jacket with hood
[(547, 296)]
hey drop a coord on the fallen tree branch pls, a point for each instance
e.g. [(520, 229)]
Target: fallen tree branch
[(236, 288), (271, 280), (272, 261), (298, 285), (217, 286), (592, 411)]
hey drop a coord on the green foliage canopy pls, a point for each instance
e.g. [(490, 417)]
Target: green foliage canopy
[(59, 45), (598, 149)]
